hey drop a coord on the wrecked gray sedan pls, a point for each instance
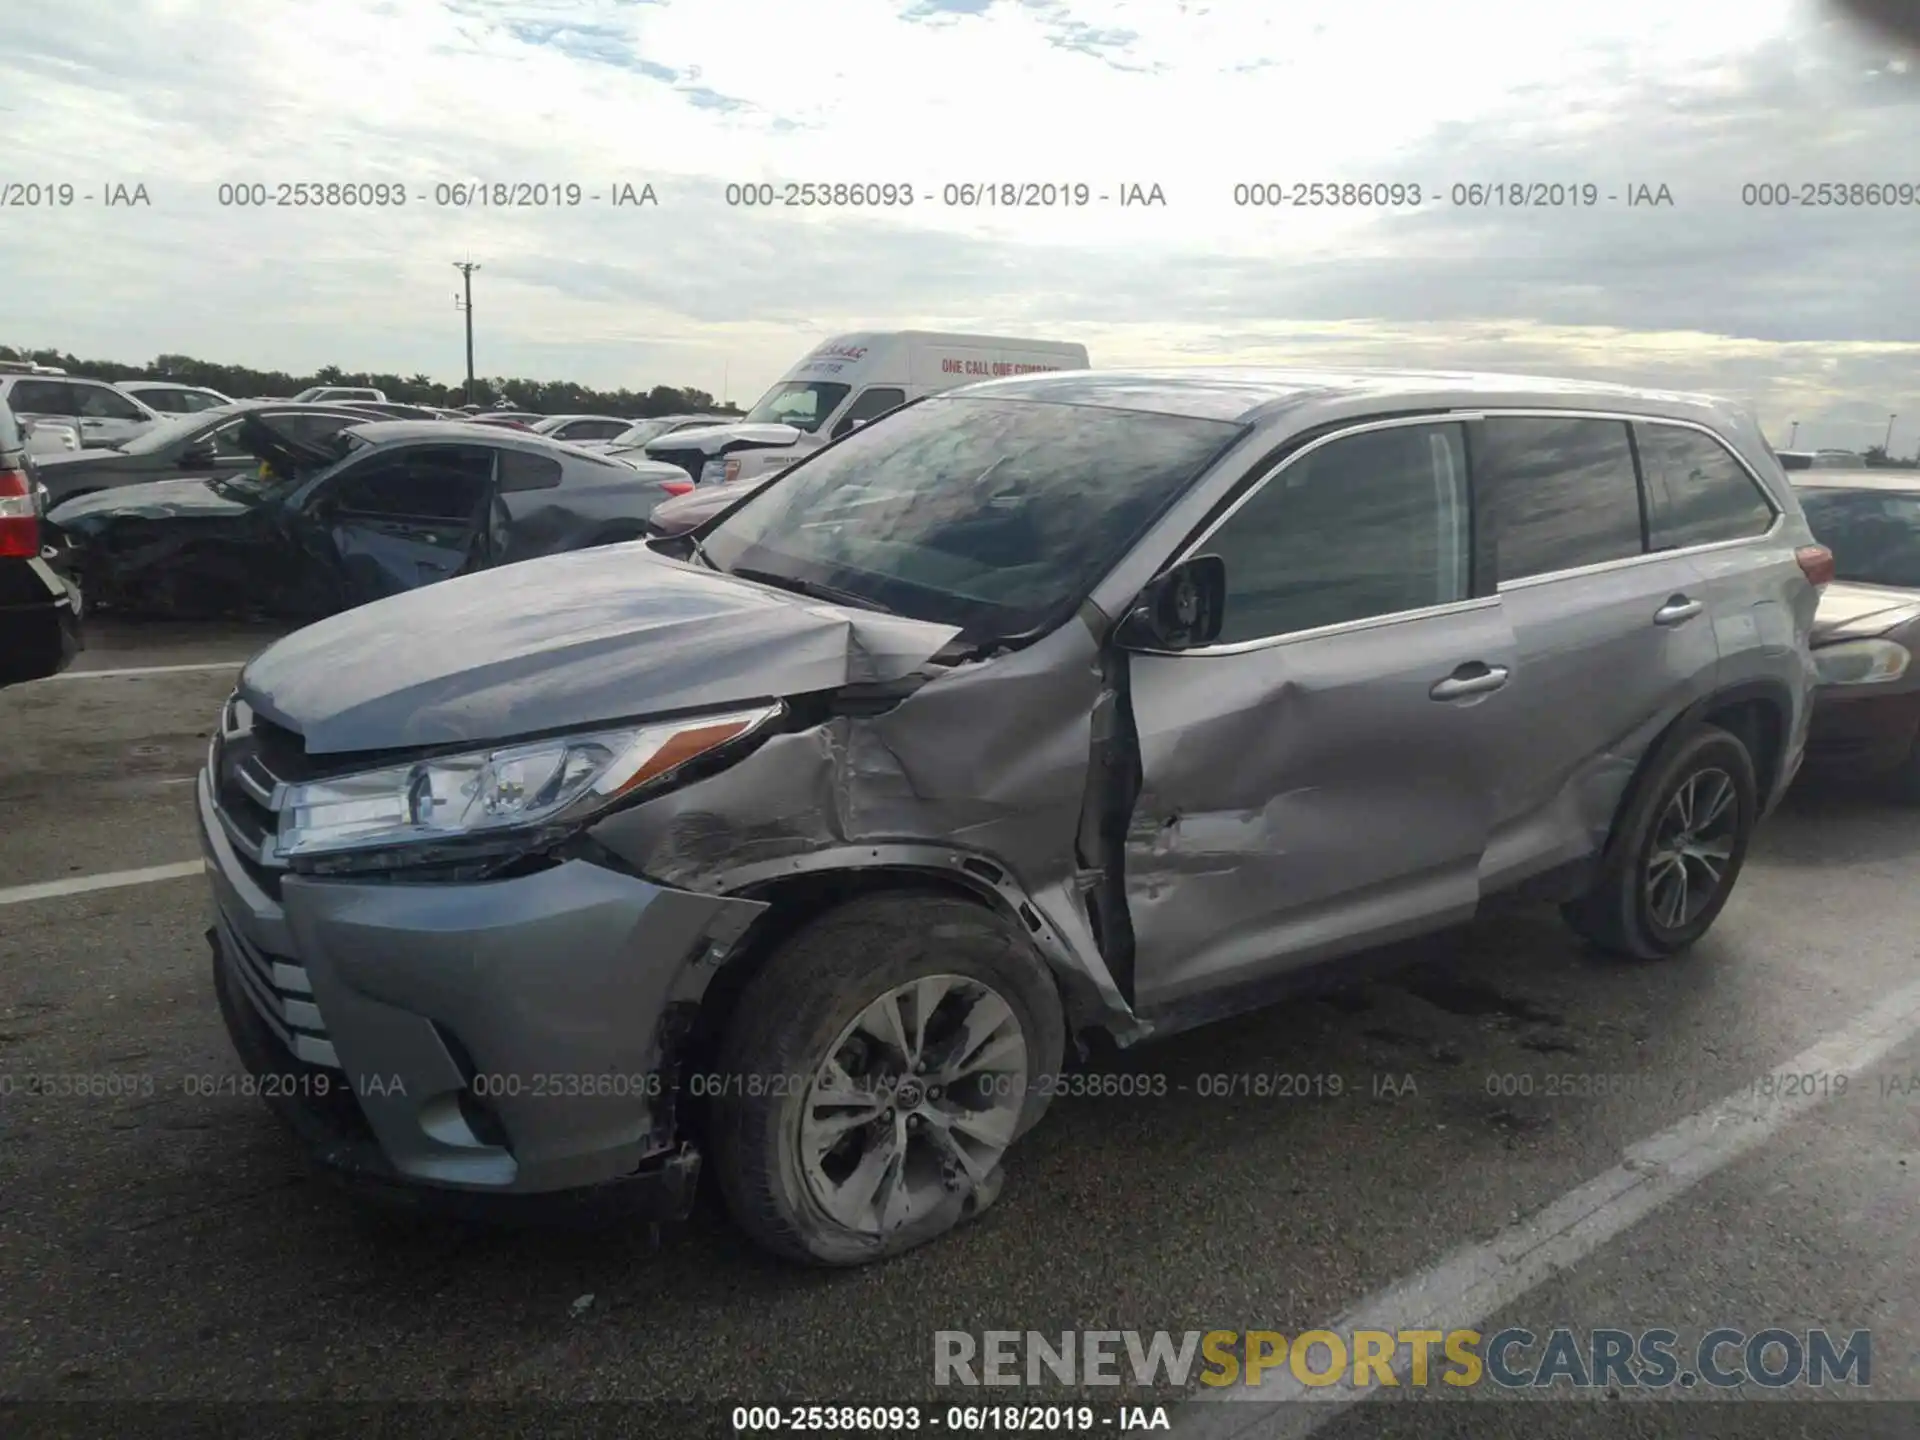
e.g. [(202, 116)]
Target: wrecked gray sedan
[(1054, 706), (322, 522)]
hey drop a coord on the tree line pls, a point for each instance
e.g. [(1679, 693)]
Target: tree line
[(545, 397)]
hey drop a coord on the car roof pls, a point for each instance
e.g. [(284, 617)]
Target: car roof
[(451, 432), (1861, 479), (1254, 394)]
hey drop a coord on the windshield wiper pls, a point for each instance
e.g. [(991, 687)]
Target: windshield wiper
[(812, 588)]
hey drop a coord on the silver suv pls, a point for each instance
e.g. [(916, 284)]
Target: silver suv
[(1077, 703)]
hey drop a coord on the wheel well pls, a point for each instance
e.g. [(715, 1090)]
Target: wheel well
[(792, 904), (1759, 726)]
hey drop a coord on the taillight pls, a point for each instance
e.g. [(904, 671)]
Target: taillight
[(677, 487), (1816, 563), (19, 518)]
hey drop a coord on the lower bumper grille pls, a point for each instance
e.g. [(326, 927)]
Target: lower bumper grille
[(280, 993)]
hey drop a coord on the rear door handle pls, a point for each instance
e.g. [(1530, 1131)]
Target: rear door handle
[(1468, 680), (1677, 610)]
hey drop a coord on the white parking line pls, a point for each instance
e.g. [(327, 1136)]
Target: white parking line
[(111, 880), (147, 670), (1478, 1281)]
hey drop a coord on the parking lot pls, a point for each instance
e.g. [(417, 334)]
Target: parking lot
[(166, 1243)]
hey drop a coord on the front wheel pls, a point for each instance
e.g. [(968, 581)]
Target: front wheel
[(874, 1075), (1676, 852)]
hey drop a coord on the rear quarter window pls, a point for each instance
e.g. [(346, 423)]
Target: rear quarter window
[(1698, 493), (520, 470)]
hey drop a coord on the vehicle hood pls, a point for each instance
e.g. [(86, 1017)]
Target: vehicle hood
[(155, 500), (1859, 612), (688, 512), (580, 639), (713, 440)]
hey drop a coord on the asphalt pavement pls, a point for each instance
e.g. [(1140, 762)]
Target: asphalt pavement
[(160, 1240)]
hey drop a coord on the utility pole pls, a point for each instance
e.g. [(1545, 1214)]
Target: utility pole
[(1887, 448), (1793, 434), (466, 269)]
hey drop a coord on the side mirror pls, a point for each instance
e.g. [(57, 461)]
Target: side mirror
[(1181, 610)]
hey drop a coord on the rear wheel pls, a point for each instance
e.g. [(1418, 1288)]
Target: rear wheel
[(1676, 852), (874, 1075)]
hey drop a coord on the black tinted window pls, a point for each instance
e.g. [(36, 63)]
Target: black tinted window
[(1697, 492), (521, 471), (1370, 525), (1563, 492), (164, 399), (994, 515), (1874, 534), (41, 397), (426, 484)]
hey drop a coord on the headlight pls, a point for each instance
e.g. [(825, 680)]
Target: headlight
[(543, 782), (1862, 662)]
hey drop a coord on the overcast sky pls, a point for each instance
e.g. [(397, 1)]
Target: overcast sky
[(1806, 313)]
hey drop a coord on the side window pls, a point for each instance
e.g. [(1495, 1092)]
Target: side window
[(309, 428), (594, 429), (522, 471), (42, 397), (1373, 524), (430, 483), (871, 405), (194, 401), (98, 402), (1697, 492), (164, 400), (225, 440), (1563, 492)]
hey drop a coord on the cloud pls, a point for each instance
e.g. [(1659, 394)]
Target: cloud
[(1804, 309)]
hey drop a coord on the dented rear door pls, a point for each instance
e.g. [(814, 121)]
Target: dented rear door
[(1319, 779)]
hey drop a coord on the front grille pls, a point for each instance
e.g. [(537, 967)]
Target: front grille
[(247, 795), (279, 991)]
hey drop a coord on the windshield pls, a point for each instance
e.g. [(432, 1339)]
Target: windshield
[(803, 404), (997, 516), (1874, 534), (167, 433)]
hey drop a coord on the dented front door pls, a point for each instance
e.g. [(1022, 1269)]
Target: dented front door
[(1308, 798), (1319, 779)]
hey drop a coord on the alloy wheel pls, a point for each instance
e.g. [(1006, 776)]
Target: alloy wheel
[(917, 1100), (1692, 848)]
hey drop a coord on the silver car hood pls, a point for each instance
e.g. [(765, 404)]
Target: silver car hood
[(569, 640), (1851, 611), (712, 440)]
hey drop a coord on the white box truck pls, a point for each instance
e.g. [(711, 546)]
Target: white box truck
[(845, 383)]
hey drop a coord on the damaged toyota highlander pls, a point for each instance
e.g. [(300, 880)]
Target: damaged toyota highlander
[(1058, 706)]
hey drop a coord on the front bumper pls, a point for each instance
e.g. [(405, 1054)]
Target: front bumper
[(510, 1037)]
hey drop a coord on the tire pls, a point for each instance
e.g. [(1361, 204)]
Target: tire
[(1628, 914), (806, 1006)]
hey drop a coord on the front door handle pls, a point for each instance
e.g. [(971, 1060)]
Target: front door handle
[(1469, 680), (1677, 610)]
